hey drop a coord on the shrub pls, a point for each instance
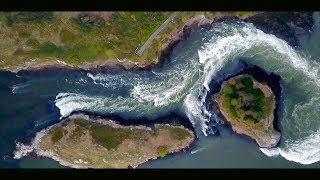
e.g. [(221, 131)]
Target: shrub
[(84, 51), (82, 123), (248, 84), (49, 47), (178, 133), (162, 151), (107, 136), (233, 102), (67, 37), (34, 43), (57, 133)]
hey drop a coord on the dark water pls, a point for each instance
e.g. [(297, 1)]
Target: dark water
[(32, 101)]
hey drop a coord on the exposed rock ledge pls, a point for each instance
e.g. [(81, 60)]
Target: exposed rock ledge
[(261, 130), (82, 142)]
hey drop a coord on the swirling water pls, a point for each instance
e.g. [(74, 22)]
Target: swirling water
[(182, 85)]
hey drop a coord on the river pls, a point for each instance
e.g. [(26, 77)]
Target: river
[(32, 101)]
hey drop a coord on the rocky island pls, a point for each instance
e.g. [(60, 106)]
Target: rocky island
[(248, 106), (81, 142)]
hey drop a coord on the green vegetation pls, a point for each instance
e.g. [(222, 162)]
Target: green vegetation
[(162, 151), (123, 146), (87, 21), (106, 136), (23, 17), (33, 43), (242, 100), (57, 133), (109, 137), (78, 37), (179, 133), (67, 37)]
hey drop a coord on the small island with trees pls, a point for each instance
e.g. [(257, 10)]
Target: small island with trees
[(248, 106)]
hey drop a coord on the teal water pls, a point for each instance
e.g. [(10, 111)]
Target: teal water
[(33, 101)]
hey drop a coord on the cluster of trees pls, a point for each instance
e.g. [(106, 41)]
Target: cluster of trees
[(242, 100)]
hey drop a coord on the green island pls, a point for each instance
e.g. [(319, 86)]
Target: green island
[(248, 106), (76, 38), (81, 142)]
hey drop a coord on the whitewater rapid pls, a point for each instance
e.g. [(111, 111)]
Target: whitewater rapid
[(183, 84)]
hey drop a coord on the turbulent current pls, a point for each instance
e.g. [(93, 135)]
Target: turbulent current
[(183, 85)]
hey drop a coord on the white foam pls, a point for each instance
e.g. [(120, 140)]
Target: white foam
[(22, 150), (15, 88), (112, 80), (223, 49), (144, 92), (193, 110), (197, 150), (70, 102), (270, 151), (306, 151)]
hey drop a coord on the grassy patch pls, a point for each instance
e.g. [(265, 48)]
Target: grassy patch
[(103, 135), (82, 123), (78, 132), (56, 133), (49, 48), (33, 43), (179, 134), (162, 151), (109, 137), (67, 37)]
